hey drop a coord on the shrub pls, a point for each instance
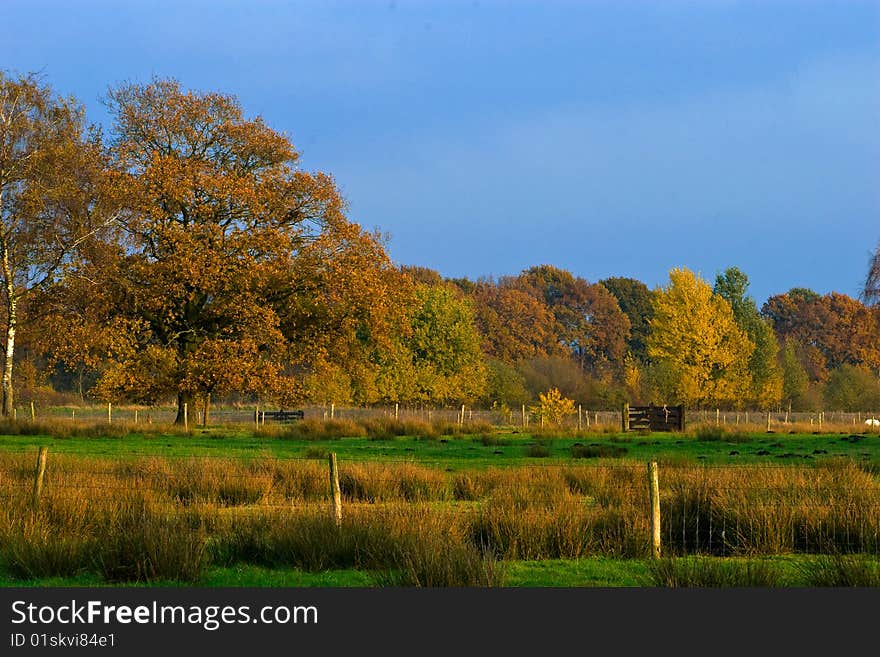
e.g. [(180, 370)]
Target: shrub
[(553, 407)]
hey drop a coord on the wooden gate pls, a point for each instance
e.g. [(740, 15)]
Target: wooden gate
[(652, 418)]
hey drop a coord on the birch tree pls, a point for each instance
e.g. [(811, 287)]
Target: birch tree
[(49, 177)]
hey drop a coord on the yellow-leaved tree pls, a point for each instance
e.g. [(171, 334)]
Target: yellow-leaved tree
[(696, 343), (553, 407)]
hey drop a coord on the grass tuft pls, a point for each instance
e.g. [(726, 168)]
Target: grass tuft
[(713, 573), (719, 434), (597, 451), (840, 570)]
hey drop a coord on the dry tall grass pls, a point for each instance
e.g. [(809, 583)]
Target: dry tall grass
[(157, 519)]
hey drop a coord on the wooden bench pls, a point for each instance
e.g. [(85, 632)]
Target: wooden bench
[(283, 416)]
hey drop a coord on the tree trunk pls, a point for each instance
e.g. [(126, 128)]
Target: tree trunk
[(182, 398), (7, 366), (207, 406), (11, 323), (9, 283)]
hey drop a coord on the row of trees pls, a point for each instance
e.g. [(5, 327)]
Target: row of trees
[(185, 254), (689, 341)]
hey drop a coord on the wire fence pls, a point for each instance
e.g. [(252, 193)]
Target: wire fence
[(584, 418)]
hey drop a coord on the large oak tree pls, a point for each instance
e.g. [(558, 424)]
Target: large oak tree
[(224, 240)]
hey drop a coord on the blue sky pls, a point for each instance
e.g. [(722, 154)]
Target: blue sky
[(609, 138)]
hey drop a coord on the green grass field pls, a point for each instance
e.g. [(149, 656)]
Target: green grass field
[(789, 571), (474, 451)]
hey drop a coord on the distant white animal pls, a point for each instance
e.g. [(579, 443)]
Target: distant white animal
[(872, 422)]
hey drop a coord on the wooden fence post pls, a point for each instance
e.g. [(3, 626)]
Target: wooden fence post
[(768, 421), (332, 410), (109, 413), (654, 494), (33, 412), (257, 416), (334, 489), (38, 476), (624, 418), (580, 418), (524, 415), (396, 409), (135, 416)]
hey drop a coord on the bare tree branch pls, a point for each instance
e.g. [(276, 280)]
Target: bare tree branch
[(871, 291)]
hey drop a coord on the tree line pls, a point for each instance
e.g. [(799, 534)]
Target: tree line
[(185, 255)]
